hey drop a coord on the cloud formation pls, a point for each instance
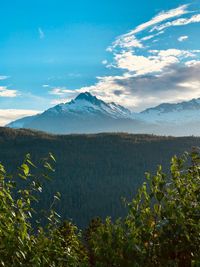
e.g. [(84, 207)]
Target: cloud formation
[(155, 62), (129, 40), (178, 22), (8, 115), (162, 16), (5, 92), (182, 38), (179, 83), (41, 33), (3, 77), (148, 76)]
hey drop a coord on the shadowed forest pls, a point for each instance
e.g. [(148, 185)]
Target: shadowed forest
[(93, 172)]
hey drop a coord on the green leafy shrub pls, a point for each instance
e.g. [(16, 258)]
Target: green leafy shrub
[(162, 227), (23, 241)]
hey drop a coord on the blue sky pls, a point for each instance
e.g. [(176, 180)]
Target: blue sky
[(137, 53)]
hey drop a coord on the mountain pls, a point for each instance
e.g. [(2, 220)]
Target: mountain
[(86, 104), (93, 172), (187, 110), (20, 123), (174, 119), (84, 114), (88, 114)]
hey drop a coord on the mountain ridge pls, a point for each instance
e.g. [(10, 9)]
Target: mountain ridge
[(88, 114), (191, 104)]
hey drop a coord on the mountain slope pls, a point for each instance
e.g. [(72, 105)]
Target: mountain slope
[(177, 113), (178, 119), (20, 123), (88, 114), (87, 105), (84, 114)]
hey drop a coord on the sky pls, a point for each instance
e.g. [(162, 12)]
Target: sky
[(136, 53)]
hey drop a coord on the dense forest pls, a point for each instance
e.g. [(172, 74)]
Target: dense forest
[(160, 228), (93, 172)]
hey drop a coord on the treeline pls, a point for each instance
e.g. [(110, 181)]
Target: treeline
[(93, 172), (160, 228)]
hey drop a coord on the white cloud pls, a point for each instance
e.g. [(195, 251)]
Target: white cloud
[(141, 61), (142, 65), (179, 83), (45, 85), (182, 38), (148, 76), (178, 22), (173, 52), (192, 63), (8, 115), (4, 92), (129, 39), (104, 89), (193, 85), (161, 17), (156, 61), (41, 33), (60, 91), (104, 62), (151, 76), (61, 100), (139, 92), (148, 37), (3, 77)]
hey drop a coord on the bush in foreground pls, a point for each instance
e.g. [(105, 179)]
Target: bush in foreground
[(23, 241), (162, 227)]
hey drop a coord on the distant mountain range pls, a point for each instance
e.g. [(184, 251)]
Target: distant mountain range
[(88, 114)]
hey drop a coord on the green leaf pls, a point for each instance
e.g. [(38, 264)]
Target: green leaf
[(52, 157), (57, 195), (159, 196), (48, 166), (31, 163), (156, 208), (25, 168)]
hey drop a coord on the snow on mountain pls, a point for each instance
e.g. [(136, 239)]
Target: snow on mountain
[(88, 114), (86, 104), (183, 112), (84, 114)]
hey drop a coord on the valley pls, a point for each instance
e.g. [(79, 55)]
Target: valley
[(93, 171)]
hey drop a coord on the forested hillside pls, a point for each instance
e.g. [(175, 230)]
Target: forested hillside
[(93, 172)]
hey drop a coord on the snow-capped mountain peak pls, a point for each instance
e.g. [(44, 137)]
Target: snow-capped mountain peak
[(88, 114), (84, 114), (172, 112), (87, 104), (193, 104), (88, 97)]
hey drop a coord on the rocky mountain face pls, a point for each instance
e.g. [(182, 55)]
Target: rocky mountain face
[(84, 114), (188, 110), (88, 114)]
